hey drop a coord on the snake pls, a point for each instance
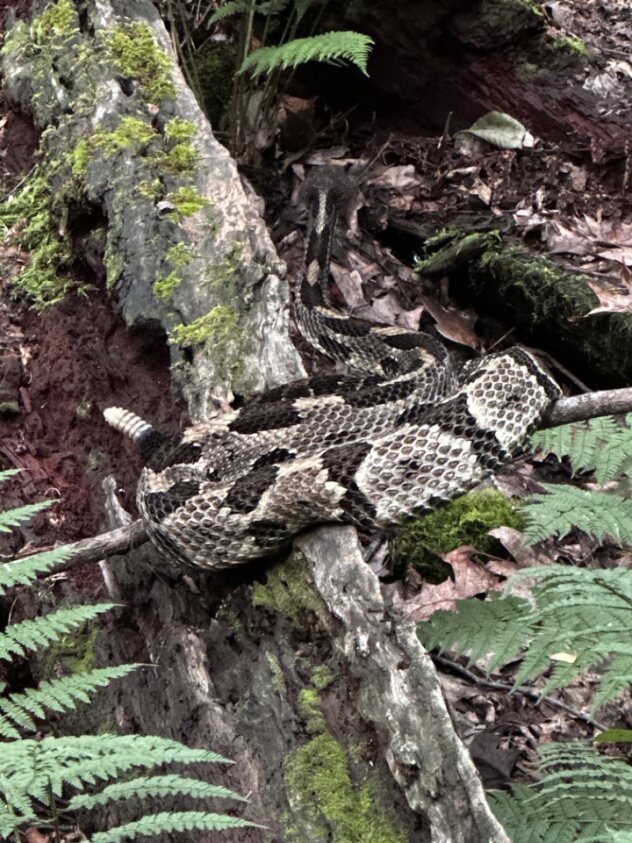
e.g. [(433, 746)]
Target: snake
[(400, 432)]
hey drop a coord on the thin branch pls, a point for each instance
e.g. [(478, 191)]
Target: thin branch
[(531, 693), (589, 406), (121, 540)]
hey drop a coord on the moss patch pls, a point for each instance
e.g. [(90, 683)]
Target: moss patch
[(277, 673), (309, 709), (186, 201), (29, 219), (134, 52), (465, 520), (322, 677), (177, 257), (60, 19), (317, 780), (288, 592)]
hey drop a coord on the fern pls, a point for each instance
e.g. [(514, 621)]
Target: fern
[(55, 695), (238, 7), (561, 508), (583, 796), (36, 773), (601, 445), (40, 632), (24, 571), (585, 614), (155, 824), (149, 787), (330, 46), (15, 517), (498, 626)]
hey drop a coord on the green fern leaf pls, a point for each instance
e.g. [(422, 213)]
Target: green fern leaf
[(14, 517), (152, 787), (58, 695), (37, 767), (562, 508), (8, 472), (237, 7), (167, 822), (330, 46), (497, 626), (24, 571), (583, 796), (40, 632), (601, 445), (616, 680)]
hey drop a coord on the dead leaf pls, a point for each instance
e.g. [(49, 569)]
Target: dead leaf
[(453, 324), (396, 178), (349, 283), (470, 578)]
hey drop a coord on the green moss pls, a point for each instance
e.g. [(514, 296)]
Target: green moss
[(60, 19), (570, 44), (317, 781), (181, 158), (322, 677), (134, 52), (30, 220), (164, 288), (277, 673), (179, 131), (465, 520), (309, 709), (450, 249), (179, 256), (75, 653), (288, 592), (186, 201), (537, 287), (130, 133), (216, 328), (507, 15)]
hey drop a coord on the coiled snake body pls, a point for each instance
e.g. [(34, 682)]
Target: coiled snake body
[(373, 448)]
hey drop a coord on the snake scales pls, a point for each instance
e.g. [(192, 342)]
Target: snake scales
[(398, 435)]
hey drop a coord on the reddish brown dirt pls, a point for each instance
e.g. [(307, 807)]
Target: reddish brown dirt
[(65, 367)]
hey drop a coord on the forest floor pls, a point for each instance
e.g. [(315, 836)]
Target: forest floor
[(61, 368)]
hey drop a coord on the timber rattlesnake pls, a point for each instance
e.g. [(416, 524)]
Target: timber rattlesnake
[(371, 449)]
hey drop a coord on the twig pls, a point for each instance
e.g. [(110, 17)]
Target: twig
[(589, 406), (116, 541), (519, 689)]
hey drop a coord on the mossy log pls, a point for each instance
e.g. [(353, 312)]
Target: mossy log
[(545, 301)]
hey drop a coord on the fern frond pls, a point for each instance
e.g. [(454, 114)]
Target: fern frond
[(58, 695), (562, 508), (237, 7), (583, 796), (497, 626), (601, 445), (24, 571), (584, 613), (39, 767), (167, 822), (8, 472), (330, 46), (147, 787), (40, 632), (14, 517)]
